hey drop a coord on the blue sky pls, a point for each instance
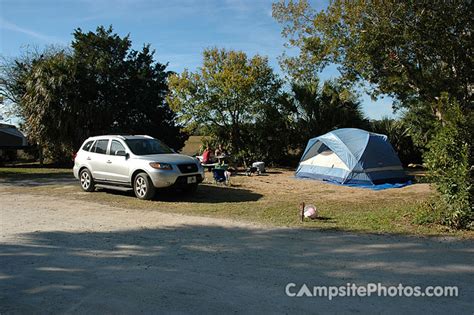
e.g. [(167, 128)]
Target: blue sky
[(178, 30)]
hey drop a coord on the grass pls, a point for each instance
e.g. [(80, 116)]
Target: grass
[(273, 200), (359, 216)]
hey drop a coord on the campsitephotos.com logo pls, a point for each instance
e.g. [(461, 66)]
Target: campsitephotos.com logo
[(370, 289)]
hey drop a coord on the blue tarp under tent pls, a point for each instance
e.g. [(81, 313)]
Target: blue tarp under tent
[(354, 157)]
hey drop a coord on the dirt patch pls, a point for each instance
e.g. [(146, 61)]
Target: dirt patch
[(272, 199), (61, 255), (282, 181)]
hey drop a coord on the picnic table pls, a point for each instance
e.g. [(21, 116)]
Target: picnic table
[(210, 166)]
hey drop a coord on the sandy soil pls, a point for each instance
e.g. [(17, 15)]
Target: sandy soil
[(69, 256), (282, 181)]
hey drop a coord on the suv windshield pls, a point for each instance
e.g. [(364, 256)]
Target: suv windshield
[(147, 146)]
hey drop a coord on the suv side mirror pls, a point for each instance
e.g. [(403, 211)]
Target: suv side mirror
[(121, 153)]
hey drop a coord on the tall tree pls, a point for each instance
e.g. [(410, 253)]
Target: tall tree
[(14, 72), (227, 93), (99, 86), (323, 108), (124, 89), (47, 105)]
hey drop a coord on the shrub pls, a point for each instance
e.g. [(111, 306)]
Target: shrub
[(448, 161)]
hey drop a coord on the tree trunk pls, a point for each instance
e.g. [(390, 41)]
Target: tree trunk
[(40, 155)]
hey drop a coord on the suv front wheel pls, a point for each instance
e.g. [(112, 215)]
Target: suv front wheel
[(143, 187)]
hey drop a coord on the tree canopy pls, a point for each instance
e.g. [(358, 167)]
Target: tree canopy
[(412, 50), (98, 86), (322, 108), (229, 91)]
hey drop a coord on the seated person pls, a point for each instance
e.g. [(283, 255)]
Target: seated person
[(219, 151), (206, 155), (221, 173)]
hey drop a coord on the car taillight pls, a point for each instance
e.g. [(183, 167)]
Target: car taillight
[(74, 156)]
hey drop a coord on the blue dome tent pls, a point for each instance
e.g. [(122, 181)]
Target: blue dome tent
[(351, 156)]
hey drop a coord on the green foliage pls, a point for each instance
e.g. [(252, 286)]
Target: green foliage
[(125, 89), (100, 86), (449, 161), (235, 99), (43, 106), (13, 73), (322, 109), (239, 103), (412, 50), (421, 124)]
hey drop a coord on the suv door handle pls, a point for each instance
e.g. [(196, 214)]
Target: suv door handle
[(88, 158), (109, 161)]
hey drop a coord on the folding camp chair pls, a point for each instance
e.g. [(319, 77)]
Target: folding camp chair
[(219, 176)]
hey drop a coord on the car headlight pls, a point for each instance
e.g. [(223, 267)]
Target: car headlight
[(161, 166)]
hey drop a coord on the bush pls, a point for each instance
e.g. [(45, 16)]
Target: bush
[(448, 161)]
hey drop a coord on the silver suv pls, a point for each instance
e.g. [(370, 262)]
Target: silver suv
[(141, 163)]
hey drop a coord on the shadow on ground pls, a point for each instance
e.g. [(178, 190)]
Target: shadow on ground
[(33, 180), (207, 269), (206, 193)]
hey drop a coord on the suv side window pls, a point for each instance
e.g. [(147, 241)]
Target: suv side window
[(116, 146), (87, 146), (101, 146)]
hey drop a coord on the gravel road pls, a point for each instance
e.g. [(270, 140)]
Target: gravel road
[(59, 255)]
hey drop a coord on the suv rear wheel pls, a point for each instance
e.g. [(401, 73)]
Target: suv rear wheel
[(87, 182), (143, 187)]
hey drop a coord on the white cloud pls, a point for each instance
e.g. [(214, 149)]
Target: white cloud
[(6, 25)]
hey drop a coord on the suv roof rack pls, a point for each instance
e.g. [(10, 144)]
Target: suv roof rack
[(144, 136), (123, 136)]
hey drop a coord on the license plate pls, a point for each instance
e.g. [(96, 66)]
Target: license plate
[(192, 180)]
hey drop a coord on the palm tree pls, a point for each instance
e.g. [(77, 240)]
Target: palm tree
[(322, 109)]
